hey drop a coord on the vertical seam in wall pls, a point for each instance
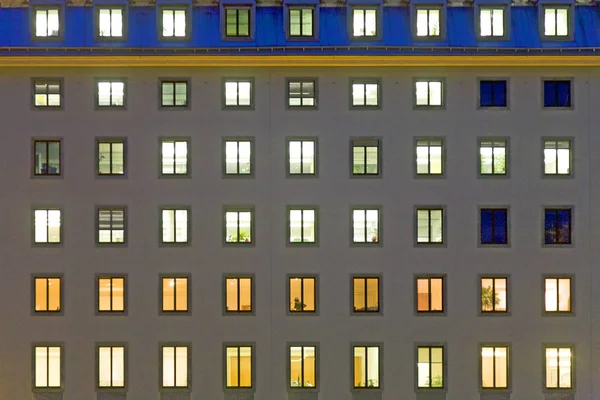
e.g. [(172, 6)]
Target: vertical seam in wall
[(590, 249), (270, 203)]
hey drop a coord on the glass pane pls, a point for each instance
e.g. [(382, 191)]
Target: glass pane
[(104, 23), (373, 366), (180, 23), (564, 363), (564, 294), (549, 22), (41, 23), (41, 226), (232, 294), (53, 158), (54, 367), (244, 94), (181, 368), (181, 152), (54, 294), (359, 22), (423, 367), (373, 226), (437, 294), (246, 294), (168, 366), (308, 157), (117, 23), (168, 294), (372, 160), (245, 157), (501, 367), (358, 94), (423, 295), (434, 22), (372, 294), (231, 93), (296, 360), (168, 226), (499, 160), (358, 157), (435, 93), (370, 22), (295, 226), (295, 154), (498, 22), (181, 224), (359, 294), (436, 221), (371, 90), (487, 367), (359, 228), (104, 155), (118, 93), (181, 294), (422, 23), (423, 226), (245, 227), (168, 95), (104, 367), (422, 93), (308, 229), (232, 379), (435, 155), (41, 294), (53, 226), (552, 368), (41, 367), (307, 22), (309, 367), (104, 289), (551, 295), (486, 159), (562, 22), (245, 366), (485, 22), (294, 22), (360, 370)]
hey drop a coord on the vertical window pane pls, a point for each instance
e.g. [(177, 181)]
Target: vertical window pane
[(168, 366), (54, 370)]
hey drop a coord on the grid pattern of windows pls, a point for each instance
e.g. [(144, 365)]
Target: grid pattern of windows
[(175, 365), (174, 94), (47, 23), (47, 366), (493, 226), (429, 156), (428, 22), (557, 157), (174, 156), (428, 93), (47, 294), (302, 294), (238, 226), (365, 157), (364, 22), (174, 22), (430, 226), (556, 21), (111, 94), (491, 22), (302, 157), (238, 366), (238, 157), (557, 93), (303, 225), (175, 228), (174, 294), (47, 226), (111, 294), (557, 226), (237, 22), (492, 93), (366, 366), (301, 24), (111, 157), (494, 367), (557, 295), (238, 93), (110, 22), (494, 295), (111, 366), (492, 157), (46, 158), (303, 366), (559, 367), (47, 93), (365, 94), (430, 295), (365, 294), (238, 294), (302, 93), (430, 367), (365, 225), (111, 225)]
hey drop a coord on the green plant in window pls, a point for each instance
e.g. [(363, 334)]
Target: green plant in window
[(489, 298), (243, 236), (436, 382), (499, 164)]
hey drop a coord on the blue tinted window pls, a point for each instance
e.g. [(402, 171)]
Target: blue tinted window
[(494, 229), (492, 93), (557, 93), (557, 226)]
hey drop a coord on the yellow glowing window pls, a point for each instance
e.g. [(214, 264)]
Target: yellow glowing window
[(239, 366), (430, 366), (430, 294), (303, 366), (239, 294), (366, 366), (559, 367), (494, 367), (174, 294), (557, 295), (48, 366), (47, 294), (302, 294), (111, 294), (111, 366), (494, 295), (366, 295)]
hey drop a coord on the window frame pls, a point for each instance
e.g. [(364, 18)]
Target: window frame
[(238, 139), (240, 389), (365, 81), (174, 81), (250, 7), (570, 21), (557, 208), (302, 208), (430, 313), (110, 140), (572, 294), (505, 22), (484, 79), (558, 79), (111, 345), (110, 80), (48, 389), (111, 312), (507, 156), (315, 21), (174, 389), (240, 312), (366, 345), (48, 80), (124, 21), (494, 313), (430, 346), (367, 207), (495, 389), (480, 209), (238, 209), (61, 232), (428, 106), (429, 7), (301, 139), (363, 142), (175, 243), (556, 139), (61, 294), (366, 312), (444, 242), (61, 22), (188, 164), (167, 6), (47, 140), (316, 299), (559, 345), (366, 6), (189, 293), (429, 139), (237, 80), (302, 81), (288, 353), (111, 208)]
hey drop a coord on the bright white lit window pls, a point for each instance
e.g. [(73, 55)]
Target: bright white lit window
[(110, 22), (47, 23), (428, 22), (430, 226), (111, 366), (557, 157), (238, 93), (491, 22), (428, 93), (47, 92), (111, 225), (302, 226), (556, 21), (494, 367), (47, 366), (559, 368), (302, 155), (238, 226), (365, 94), (174, 367), (365, 226), (174, 226), (557, 293), (111, 94), (492, 157), (429, 157), (173, 23), (47, 226), (366, 366), (174, 154), (364, 22), (238, 157), (301, 93)]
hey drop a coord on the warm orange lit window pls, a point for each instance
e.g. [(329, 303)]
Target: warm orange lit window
[(302, 294), (175, 367), (111, 294), (239, 366), (303, 366), (557, 295), (47, 295), (174, 294), (239, 294), (430, 294), (493, 295), (366, 294)]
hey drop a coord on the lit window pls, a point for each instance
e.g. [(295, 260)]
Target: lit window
[(491, 22), (174, 157), (47, 226), (429, 93), (430, 365), (428, 22), (364, 22), (494, 295), (237, 22), (174, 294), (366, 366), (47, 22), (556, 21), (47, 93), (238, 157), (48, 366), (174, 94), (557, 94), (111, 225), (302, 94), (366, 295), (110, 22), (557, 157), (238, 294), (238, 93), (430, 225), (303, 366), (494, 226), (175, 227), (174, 360), (365, 226), (302, 227), (430, 295), (365, 157), (111, 94), (429, 157), (111, 294), (365, 94), (559, 367), (238, 226), (47, 295), (302, 157), (494, 367), (557, 294), (46, 157), (557, 226), (492, 157), (111, 157), (302, 294), (492, 94), (111, 366), (239, 366), (301, 22), (174, 23)]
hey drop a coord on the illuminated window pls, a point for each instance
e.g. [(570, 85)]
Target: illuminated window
[(365, 226), (111, 225), (303, 366), (48, 366), (430, 366), (366, 366), (175, 228), (239, 366), (110, 22), (111, 157), (111, 294), (301, 22), (302, 157), (111, 94), (428, 22), (238, 226), (238, 157), (174, 294), (365, 157), (46, 158), (174, 23), (491, 22), (557, 294), (429, 93), (364, 22), (174, 94), (47, 225), (174, 157), (429, 156), (492, 157), (430, 226), (238, 93), (557, 226), (303, 225), (365, 93), (302, 294), (237, 22), (494, 367), (175, 366), (493, 223), (365, 294), (494, 295), (47, 93), (557, 157), (47, 294), (556, 21), (47, 22), (302, 93), (238, 295), (559, 368), (111, 366), (430, 295)]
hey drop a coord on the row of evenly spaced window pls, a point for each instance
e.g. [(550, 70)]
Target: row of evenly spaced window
[(303, 297), (301, 22), (303, 226), (365, 93), (239, 365)]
